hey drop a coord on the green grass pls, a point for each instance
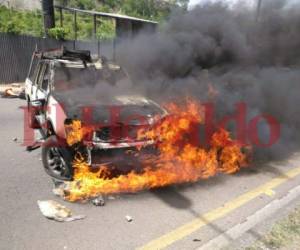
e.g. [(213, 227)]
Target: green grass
[(284, 234)]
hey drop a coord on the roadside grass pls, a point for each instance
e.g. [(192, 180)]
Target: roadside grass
[(285, 234)]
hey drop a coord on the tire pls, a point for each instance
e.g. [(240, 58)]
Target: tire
[(57, 159)]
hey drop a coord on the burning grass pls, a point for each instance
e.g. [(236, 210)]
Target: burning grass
[(180, 158)]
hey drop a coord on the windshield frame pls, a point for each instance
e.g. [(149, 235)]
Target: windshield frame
[(100, 68)]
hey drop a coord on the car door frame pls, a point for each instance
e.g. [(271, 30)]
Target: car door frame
[(42, 94), (33, 95)]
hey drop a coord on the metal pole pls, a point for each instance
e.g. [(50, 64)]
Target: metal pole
[(114, 49), (48, 13), (95, 27), (98, 48), (99, 42), (75, 29), (259, 4), (95, 34), (61, 17)]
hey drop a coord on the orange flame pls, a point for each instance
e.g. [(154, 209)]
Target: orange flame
[(74, 132), (180, 158)]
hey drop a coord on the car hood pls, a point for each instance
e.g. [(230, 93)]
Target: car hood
[(132, 110)]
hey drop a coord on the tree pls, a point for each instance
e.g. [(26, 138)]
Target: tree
[(31, 22)]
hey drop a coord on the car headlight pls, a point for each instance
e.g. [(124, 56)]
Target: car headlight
[(103, 134)]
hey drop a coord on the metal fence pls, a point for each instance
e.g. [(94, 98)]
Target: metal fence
[(16, 52)]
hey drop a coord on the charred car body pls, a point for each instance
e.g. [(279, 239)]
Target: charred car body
[(65, 86)]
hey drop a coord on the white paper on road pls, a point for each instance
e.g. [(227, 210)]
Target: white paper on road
[(55, 211)]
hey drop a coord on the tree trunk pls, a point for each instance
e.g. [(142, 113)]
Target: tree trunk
[(48, 13)]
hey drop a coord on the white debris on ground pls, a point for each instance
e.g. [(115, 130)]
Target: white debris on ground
[(14, 90), (55, 211), (98, 201), (129, 218), (58, 192)]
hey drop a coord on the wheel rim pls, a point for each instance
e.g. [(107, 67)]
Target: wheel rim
[(56, 163)]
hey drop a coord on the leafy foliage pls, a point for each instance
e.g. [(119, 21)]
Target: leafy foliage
[(21, 22), (58, 33), (31, 22)]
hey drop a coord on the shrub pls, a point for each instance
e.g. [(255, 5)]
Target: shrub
[(58, 33)]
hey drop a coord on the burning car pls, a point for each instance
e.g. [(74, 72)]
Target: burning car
[(68, 89)]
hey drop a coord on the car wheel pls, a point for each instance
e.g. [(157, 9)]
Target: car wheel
[(57, 159)]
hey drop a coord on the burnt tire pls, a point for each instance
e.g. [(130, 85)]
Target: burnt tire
[(57, 159)]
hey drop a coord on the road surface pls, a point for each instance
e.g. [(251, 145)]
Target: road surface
[(177, 217)]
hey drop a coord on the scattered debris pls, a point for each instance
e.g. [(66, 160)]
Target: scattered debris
[(57, 183), (55, 211), (196, 240), (98, 201), (58, 191), (110, 197), (14, 90), (8, 93), (60, 188), (33, 147), (129, 218), (16, 85)]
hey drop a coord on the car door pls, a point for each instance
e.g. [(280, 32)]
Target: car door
[(32, 75)]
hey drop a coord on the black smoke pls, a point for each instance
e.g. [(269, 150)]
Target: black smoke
[(244, 58)]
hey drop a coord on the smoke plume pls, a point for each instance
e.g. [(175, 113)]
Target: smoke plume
[(226, 55)]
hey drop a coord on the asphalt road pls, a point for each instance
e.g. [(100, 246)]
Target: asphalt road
[(178, 217)]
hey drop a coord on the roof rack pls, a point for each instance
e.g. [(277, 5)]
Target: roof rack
[(63, 53)]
